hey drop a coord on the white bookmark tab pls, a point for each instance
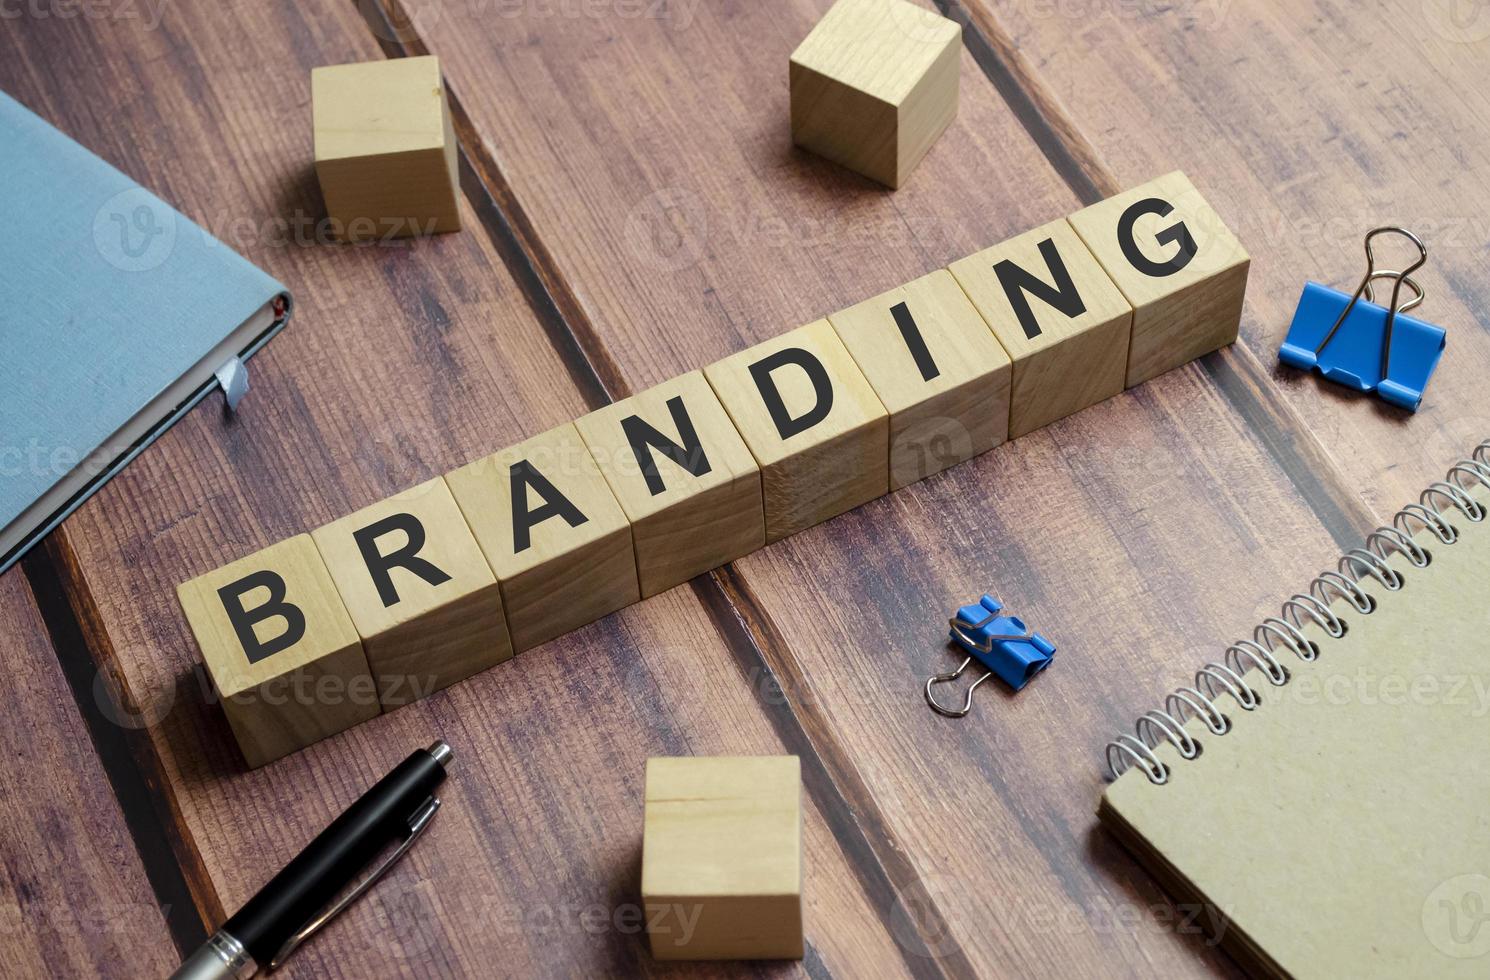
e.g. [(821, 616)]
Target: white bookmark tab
[(233, 376)]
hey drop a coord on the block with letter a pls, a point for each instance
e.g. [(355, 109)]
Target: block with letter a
[(419, 591), (813, 423), (553, 533), (280, 649), (684, 477)]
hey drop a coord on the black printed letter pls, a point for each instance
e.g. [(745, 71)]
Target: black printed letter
[(1016, 282), (786, 426), (1174, 233), (243, 620), (555, 504), (644, 439), (407, 557)]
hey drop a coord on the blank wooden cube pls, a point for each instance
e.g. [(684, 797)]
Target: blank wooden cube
[(937, 369), (1181, 269), (1061, 319), (683, 476), (280, 648), (813, 423), (385, 148), (722, 858), (421, 595), (874, 84), (553, 533)]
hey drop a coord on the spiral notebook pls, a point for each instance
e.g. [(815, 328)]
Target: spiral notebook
[(1322, 792)]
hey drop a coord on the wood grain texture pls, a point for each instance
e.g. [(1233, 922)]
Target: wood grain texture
[(1302, 178), (74, 898), (639, 218), (401, 362)]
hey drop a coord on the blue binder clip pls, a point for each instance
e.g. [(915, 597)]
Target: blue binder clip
[(1374, 348), (1001, 643)]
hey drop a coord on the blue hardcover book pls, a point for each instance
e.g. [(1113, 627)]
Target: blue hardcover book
[(117, 315)]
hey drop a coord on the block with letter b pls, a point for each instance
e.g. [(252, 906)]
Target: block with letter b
[(937, 369), (1180, 267), (280, 649), (419, 591), (812, 422), (684, 477), (1063, 322), (553, 533)]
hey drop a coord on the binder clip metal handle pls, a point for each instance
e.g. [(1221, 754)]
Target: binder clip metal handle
[(1368, 347), (1365, 288)]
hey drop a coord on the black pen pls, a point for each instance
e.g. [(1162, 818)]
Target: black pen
[(288, 910)]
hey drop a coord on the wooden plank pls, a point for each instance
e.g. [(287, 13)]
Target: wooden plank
[(402, 360), (675, 236), (1302, 179), (74, 897)]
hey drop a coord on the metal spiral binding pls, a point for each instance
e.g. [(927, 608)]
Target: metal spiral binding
[(1285, 631)]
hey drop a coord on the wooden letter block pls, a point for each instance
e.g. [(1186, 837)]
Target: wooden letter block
[(280, 649), (937, 369), (813, 423), (385, 148), (1063, 322), (1180, 267), (552, 531), (420, 593), (874, 85), (684, 477), (722, 858)]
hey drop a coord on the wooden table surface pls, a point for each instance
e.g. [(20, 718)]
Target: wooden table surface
[(633, 209)]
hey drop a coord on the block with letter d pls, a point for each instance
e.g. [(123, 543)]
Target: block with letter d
[(813, 423), (1181, 269), (419, 591), (684, 477), (1061, 319), (553, 533), (280, 649)]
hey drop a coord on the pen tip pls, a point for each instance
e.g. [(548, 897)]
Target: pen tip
[(442, 752)]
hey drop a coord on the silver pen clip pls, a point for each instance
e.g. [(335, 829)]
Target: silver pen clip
[(417, 825)]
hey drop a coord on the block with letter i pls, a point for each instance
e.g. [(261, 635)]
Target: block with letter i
[(419, 591), (874, 85), (1063, 322), (553, 533), (280, 649), (812, 422), (385, 148), (1180, 267), (722, 858), (684, 477), (937, 368)]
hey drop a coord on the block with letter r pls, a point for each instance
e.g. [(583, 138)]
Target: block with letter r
[(280, 649)]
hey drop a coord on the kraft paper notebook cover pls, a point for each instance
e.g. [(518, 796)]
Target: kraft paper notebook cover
[(1342, 825), (115, 313)]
